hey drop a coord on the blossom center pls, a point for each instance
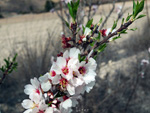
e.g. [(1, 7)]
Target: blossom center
[(82, 70), (74, 74), (63, 83), (65, 70), (37, 91), (41, 111), (53, 73)]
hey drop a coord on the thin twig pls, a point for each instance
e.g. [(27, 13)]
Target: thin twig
[(108, 15)]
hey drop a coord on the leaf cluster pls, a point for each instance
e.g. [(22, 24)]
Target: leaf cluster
[(10, 65)]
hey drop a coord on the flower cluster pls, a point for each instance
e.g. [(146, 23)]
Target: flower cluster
[(59, 89)]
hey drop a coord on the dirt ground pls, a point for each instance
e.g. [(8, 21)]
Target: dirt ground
[(119, 61)]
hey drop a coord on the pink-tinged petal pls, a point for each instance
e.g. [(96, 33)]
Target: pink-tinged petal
[(61, 62), (55, 68), (89, 86), (70, 89), (28, 111), (74, 52), (29, 89), (68, 75), (35, 83), (49, 110), (46, 86), (67, 104), (27, 104)]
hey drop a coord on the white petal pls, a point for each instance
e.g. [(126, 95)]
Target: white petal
[(49, 110), (87, 31), (55, 80), (29, 89), (46, 86), (74, 52), (89, 86), (61, 62), (27, 104), (35, 82), (92, 64), (44, 78), (89, 77), (28, 111), (71, 89), (35, 97), (66, 54), (67, 104)]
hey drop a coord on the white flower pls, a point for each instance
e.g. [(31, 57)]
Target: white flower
[(145, 62), (68, 102), (108, 31), (45, 83), (34, 104), (34, 87), (86, 32)]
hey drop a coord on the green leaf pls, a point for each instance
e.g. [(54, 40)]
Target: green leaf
[(140, 16), (134, 7), (71, 11), (139, 8), (98, 37), (123, 31), (101, 48), (67, 24), (100, 21), (83, 28), (81, 58), (89, 23), (14, 59), (116, 38), (114, 25), (122, 21), (134, 29), (92, 44), (128, 18)]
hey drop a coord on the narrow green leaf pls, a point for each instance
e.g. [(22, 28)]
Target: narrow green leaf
[(134, 6), (101, 48), (83, 28), (71, 11), (67, 24), (114, 25), (123, 31), (116, 37), (98, 37), (92, 44), (122, 21), (128, 18), (100, 21), (140, 16), (89, 23), (134, 29)]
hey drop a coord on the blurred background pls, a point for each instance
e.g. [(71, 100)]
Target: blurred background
[(33, 29)]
